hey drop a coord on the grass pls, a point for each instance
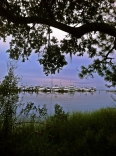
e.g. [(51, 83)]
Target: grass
[(78, 133)]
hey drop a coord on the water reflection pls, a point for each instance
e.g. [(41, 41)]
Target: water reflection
[(70, 101)]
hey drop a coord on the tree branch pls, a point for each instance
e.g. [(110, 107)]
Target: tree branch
[(77, 32)]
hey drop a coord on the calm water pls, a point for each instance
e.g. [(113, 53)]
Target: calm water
[(79, 101)]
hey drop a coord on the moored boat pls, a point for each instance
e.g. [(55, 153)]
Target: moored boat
[(71, 88)]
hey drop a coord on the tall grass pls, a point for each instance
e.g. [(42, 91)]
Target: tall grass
[(79, 133)]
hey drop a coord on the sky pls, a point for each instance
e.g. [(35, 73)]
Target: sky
[(31, 73)]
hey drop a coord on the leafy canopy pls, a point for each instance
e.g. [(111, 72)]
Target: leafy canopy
[(90, 26)]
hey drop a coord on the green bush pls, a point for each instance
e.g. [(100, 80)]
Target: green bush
[(79, 133)]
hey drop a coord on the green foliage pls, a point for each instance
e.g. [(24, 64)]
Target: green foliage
[(9, 117), (87, 133), (52, 60), (59, 115), (33, 112), (8, 99), (29, 23)]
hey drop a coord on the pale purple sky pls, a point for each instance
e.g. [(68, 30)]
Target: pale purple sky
[(32, 74)]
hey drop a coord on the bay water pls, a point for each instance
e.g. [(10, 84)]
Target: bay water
[(77, 101)]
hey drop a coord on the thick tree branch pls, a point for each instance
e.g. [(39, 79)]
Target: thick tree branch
[(77, 32)]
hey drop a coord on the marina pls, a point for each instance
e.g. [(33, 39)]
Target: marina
[(56, 88)]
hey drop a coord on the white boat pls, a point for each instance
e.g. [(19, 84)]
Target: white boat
[(41, 88), (92, 89), (56, 88), (86, 89), (48, 89), (66, 89), (71, 88)]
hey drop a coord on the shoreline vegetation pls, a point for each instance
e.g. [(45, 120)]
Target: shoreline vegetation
[(77, 133)]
